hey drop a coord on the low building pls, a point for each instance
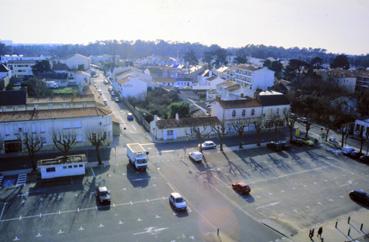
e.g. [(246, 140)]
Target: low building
[(167, 130), (131, 82), (78, 62), (22, 67), (5, 75), (252, 78), (362, 124)]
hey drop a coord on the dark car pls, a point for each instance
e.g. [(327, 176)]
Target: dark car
[(354, 155), (278, 146), (364, 159), (241, 188), (297, 141), (103, 196), (360, 196)]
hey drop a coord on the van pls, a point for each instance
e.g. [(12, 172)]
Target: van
[(130, 117)]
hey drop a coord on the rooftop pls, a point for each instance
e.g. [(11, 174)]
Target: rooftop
[(273, 100), (63, 160), (53, 114), (186, 122), (4, 68), (13, 97), (242, 103)]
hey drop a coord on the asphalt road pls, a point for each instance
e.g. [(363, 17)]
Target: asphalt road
[(290, 190)]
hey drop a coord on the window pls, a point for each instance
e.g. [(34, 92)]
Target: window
[(64, 167), (80, 165), (170, 132), (243, 113), (75, 166), (234, 113), (70, 166), (50, 169), (252, 112)]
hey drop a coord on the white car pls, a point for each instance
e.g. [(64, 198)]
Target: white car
[(208, 145), (195, 156), (346, 150), (99, 90), (177, 202), (116, 99)]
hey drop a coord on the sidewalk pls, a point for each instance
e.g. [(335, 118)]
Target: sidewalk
[(340, 234)]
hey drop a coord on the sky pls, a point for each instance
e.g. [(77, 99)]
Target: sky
[(340, 26)]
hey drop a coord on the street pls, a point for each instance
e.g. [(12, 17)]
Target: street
[(290, 190)]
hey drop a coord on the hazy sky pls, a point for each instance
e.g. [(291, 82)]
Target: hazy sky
[(337, 25)]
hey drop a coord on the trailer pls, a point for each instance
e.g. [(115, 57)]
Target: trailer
[(63, 166), (137, 156)]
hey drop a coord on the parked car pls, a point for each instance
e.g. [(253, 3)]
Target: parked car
[(177, 201), (241, 188), (103, 196), (308, 142), (116, 99), (347, 150), (278, 146), (195, 156), (106, 82), (130, 117), (355, 155), (360, 196), (297, 141), (208, 145), (364, 159)]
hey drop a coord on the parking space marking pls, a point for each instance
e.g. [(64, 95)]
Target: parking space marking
[(60, 212), (268, 205), (93, 173), (2, 211)]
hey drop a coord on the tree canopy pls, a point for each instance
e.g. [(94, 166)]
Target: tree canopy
[(340, 61)]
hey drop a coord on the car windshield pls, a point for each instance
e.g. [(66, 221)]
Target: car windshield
[(179, 200), (141, 161), (104, 193)]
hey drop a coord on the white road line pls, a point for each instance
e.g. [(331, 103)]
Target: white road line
[(93, 173), (2, 211), (268, 205)]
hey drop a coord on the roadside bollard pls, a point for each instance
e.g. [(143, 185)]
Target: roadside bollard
[(348, 219), (348, 232), (361, 227), (336, 224)]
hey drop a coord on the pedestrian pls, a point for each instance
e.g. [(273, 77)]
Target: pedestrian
[(312, 233), (217, 231), (320, 231)]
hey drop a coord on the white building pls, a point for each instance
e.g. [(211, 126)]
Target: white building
[(347, 83), (182, 128), (78, 62), (5, 75), (269, 107), (131, 83), (362, 123), (229, 90), (21, 68), (252, 78), (16, 124), (80, 79)]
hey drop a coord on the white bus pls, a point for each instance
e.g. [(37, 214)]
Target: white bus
[(62, 166)]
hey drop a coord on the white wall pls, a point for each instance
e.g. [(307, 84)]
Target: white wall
[(76, 60), (132, 88)]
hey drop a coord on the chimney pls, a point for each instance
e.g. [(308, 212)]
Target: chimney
[(177, 117)]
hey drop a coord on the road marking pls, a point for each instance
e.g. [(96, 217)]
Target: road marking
[(60, 231), (38, 235), (101, 226), (93, 173), (157, 216), (167, 151), (2, 211), (16, 238), (151, 230), (139, 220), (120, 222), (268, 205), (81, 228)]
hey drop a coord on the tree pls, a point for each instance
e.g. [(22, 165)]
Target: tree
[(258, 124), (307, 128), (295, 69), (3, 49), (340, 61), (241, 56), (275, 66), (64, 140), (182, 108), (239, 126), (37, 88), (367, 141), (98, 138), (361, 138), (219, 129), (41, 67), (190, 58), (33, 144), (290, 119), (344, 130), (316, 62)]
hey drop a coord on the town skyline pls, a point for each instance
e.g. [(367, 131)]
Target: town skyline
[(236, 24)]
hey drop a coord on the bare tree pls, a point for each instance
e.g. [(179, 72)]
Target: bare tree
[(64, 140), (219, 129), (276, 121), (258, 123), (344, 133), (307, 128), (98, 138), (290, 121), (200, 133), (367, 140), (239, 126), (361, 138), (33, 144)]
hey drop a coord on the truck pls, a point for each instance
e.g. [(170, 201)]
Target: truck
[(137, 156)]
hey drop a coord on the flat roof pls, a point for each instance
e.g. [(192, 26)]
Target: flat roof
[(63, 160)]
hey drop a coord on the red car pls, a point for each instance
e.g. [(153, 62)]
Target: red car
[(241, 188)]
